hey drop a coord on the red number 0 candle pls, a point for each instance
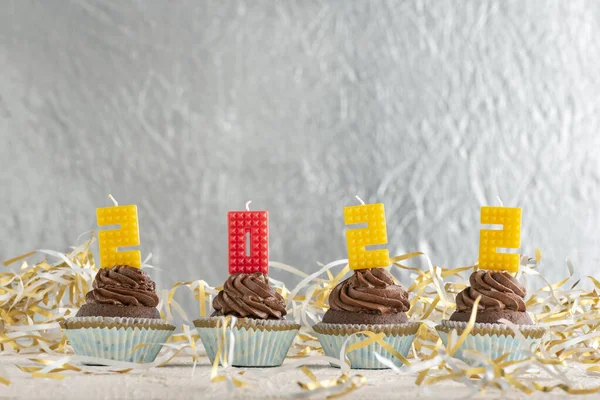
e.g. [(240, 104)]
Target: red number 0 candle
[(252, 225)]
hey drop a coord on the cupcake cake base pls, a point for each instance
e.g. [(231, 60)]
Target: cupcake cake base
[(121, 339), (333, 336), (114, 311), (257, 343), (492, 340)]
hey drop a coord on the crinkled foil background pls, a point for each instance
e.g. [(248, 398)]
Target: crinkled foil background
[(191, 108)]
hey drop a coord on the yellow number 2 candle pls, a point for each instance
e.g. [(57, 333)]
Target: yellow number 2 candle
[(492, 239), (358, 239), (109, 241)]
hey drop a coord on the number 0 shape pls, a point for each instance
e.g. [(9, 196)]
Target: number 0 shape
[(256, 224), (508, 237)]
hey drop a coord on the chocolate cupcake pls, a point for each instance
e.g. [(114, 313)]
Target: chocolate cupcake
[(121, 291), (262, 336), (249, 296), (369, 297), (502, 297), (367, 301), (120, 320)]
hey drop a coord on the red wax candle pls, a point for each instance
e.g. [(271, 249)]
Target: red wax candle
[(252, 225)]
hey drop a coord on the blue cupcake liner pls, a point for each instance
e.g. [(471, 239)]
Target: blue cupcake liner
[(257, 343), (492, 340), (333, 336), (116, 338)]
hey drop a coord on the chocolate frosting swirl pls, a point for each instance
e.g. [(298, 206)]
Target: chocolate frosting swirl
[(498, 290), (123, 285), (249, 296), (371, 291)]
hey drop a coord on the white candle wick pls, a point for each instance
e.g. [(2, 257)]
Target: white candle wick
[(248, 205), (110, 196), (361, 200), (500, 201)]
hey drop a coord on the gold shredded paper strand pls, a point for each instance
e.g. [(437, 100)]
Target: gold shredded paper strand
[(35, 298)]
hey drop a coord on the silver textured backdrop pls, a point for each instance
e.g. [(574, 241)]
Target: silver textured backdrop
[(190, 108)]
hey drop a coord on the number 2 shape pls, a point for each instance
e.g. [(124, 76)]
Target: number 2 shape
[(127, 235), (358, 239), (508, 237)]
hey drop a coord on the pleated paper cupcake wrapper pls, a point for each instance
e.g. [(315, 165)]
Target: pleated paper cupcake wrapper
[(492, 340), (117, 338), (333, 336), (257, 343)]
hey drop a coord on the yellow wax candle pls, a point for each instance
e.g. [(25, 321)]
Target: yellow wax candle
[(509, 237), (109, 241), (358, 239)]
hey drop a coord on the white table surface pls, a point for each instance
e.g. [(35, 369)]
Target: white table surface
[(175, 381)]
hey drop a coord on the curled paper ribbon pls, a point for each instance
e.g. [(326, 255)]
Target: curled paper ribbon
[(34, 298), (371, 338), (343, 385), (332, 388)]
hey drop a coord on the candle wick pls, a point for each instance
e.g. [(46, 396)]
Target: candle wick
[(110, 196), (361, 200), (248, 205), (500, 201)]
